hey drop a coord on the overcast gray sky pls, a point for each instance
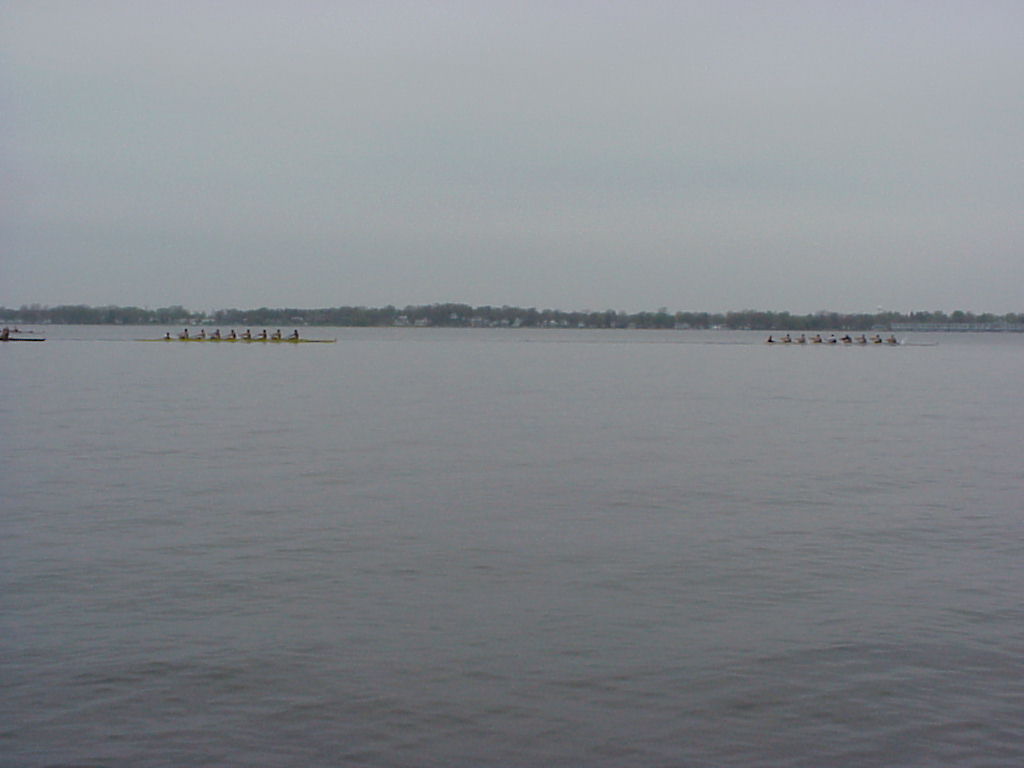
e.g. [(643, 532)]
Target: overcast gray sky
[(703, 155)]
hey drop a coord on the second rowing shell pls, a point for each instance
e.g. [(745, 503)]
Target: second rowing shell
[(252, 341)]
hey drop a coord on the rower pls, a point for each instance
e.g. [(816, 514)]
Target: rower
[(786, 339), (263, 335), (167, 336), (5, 334), (232, 335), (216, 335), (832, 339), (769, 340), (277, 335), (846, 339), (295, 335), (862, 339), (247, 335), (202, 333), (801, 339), (183, 335), (816, 338), (891, 340)]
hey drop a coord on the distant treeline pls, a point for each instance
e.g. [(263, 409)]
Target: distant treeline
[(463, 315)]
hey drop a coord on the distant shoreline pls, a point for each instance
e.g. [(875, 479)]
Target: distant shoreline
[(465, 316)]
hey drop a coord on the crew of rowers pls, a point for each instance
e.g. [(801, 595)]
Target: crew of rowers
[(232, 336), (817, 339)]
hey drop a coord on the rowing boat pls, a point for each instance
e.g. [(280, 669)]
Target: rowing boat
[(12, 339), (239, 340)]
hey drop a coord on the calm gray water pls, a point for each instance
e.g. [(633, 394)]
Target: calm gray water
[(511, 548)]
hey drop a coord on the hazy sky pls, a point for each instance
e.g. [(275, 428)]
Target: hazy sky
[(578, 155)]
